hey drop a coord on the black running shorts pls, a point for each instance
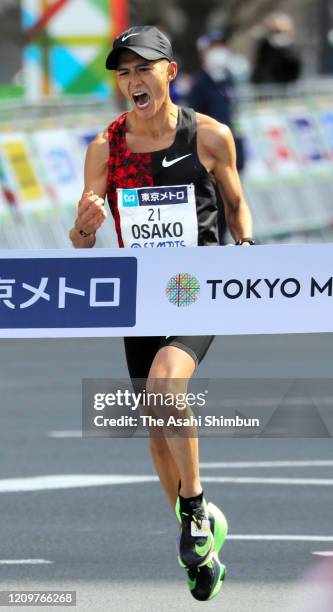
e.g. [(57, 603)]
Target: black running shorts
[(140, 351)]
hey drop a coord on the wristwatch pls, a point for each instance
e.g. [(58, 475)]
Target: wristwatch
[(83, 233), (241, 241)]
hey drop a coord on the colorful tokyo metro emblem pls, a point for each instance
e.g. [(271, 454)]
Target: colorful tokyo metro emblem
[(182, 289)]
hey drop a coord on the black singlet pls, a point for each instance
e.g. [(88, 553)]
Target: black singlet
[(177, 165)]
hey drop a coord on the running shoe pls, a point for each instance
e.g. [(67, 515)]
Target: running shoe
[(196, 544), (205, 581)]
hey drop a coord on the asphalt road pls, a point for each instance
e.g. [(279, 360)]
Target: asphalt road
[(115, 543)]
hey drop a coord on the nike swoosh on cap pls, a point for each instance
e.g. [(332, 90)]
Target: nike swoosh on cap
[(128, 35), (166, 163)]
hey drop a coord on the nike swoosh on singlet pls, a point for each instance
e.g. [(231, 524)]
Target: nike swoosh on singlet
[(166, 163), (128, 35)]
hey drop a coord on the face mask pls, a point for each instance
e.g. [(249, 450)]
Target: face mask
[(216, 63)]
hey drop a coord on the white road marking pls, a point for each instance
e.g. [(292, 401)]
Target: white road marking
[(23, 561), (266, 464), (280, 537), (325, 482), (72, 481), (323, 553), (67, 433)]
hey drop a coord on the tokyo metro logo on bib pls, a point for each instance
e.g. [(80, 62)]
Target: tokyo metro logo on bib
[(149, 196), (183, 289)]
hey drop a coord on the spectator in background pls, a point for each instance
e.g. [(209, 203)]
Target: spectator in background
[(276, 57), (213, 93)]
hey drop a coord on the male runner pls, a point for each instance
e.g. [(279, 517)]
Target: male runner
[(158, 144)]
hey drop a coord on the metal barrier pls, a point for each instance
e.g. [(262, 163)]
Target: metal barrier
[(288, 179)]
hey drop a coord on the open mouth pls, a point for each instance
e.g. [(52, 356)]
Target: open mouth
[(141, 99)]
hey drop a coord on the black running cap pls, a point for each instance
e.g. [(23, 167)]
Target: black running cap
[(147, 41)]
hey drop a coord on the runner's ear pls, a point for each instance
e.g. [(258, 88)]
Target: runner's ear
[(172, 71)]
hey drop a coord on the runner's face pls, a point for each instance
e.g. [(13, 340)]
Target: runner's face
[(144, 83)]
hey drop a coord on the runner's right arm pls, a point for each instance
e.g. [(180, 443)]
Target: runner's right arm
[(91, 212)]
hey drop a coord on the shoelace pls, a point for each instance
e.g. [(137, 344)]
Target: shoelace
[(197, 516)]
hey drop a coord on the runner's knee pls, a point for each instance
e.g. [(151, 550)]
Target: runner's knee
[(167, 383)]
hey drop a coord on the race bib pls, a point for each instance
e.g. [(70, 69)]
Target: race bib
[(158, 216)]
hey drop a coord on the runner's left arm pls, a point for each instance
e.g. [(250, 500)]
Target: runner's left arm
[(221, 147)]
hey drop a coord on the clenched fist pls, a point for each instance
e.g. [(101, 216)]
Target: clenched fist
[(91, 213)]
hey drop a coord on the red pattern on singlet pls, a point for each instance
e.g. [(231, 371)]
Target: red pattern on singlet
[(125, 169)]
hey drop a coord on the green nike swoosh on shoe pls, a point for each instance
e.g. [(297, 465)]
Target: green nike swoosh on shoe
[(203, 551), (191, 583)]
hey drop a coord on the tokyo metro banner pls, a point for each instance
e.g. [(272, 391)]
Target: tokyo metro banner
[(146, 292)]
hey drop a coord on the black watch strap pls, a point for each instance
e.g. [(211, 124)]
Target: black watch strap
[(241, 241), (83, 233)]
